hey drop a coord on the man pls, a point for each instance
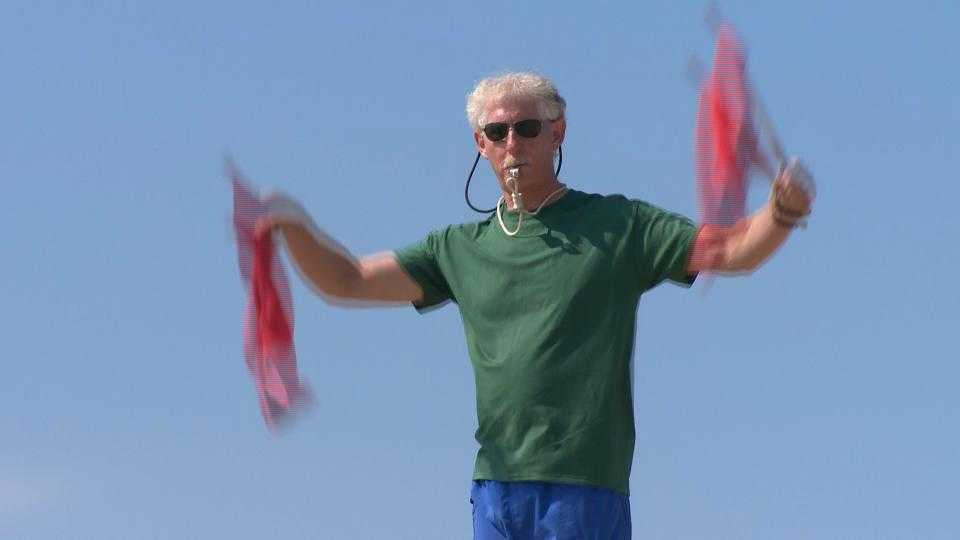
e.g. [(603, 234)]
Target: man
[(548, 289)]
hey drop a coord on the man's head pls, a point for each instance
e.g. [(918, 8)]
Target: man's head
[(505, 112)]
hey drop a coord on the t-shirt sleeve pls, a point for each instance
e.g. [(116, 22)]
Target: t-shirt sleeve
[(664, 243), (421, 262)]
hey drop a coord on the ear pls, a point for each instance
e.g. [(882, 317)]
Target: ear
[(481, 143), (558, 129)]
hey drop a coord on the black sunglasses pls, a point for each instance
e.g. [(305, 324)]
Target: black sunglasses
[(528, 129)]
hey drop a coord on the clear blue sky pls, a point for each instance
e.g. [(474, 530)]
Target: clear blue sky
[(814, 399)]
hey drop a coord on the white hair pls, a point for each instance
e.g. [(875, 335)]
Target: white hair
[(531, 85)]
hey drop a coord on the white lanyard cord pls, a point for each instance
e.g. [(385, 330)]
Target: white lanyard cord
[(518, 206)]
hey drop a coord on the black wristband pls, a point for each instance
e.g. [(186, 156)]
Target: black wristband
[(783, 222)]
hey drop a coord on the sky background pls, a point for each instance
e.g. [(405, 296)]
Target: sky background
[(815, 398)]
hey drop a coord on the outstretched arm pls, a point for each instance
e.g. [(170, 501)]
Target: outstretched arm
[(744, 246), (329, 267)]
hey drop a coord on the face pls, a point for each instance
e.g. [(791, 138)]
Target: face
[(534, 155)]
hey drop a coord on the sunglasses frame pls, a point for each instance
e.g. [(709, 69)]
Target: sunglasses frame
[(515, 127)]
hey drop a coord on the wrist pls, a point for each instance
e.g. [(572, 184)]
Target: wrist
[(784, 221), (784, 215)]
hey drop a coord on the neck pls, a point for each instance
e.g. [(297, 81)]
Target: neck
[(534, 193)]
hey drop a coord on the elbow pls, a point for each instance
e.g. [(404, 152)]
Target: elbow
[(721, 249), (738, 268), (348, 286), (729, 250), (747, 268), (736, 263), (747, 264), (340, 290), (344, 284)]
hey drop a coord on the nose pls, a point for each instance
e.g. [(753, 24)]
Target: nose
[(512, 140)]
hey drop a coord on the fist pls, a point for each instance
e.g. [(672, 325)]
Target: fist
[(279, 210), (793, 192)]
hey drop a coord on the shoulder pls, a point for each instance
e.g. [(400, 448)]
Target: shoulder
[(613, 204), (619, 212), (637, 208), (458, 232)]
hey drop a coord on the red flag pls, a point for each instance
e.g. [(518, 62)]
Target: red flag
[(268, 324), (726, 140)]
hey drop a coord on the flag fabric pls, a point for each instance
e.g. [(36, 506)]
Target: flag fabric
[(268, 322), (726, 143)]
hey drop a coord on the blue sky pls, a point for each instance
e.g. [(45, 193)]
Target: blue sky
[(814, 399)]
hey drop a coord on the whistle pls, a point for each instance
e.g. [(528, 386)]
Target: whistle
[(513, 174)]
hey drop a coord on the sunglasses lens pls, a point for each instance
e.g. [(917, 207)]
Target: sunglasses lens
[(496, 131), (528, 128)]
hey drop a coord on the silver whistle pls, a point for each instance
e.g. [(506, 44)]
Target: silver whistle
[(513, 177)]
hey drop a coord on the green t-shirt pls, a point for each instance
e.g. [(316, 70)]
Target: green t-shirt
[(549, 316)]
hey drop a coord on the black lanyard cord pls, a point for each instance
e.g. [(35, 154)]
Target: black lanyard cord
[(466, 190)]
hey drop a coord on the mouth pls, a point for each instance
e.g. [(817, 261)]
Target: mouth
[(514, 165)]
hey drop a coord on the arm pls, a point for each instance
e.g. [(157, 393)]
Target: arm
[(328, 267), (744, 246), (331, 269)]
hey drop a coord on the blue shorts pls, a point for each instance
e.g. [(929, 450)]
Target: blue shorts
[(547, 511)]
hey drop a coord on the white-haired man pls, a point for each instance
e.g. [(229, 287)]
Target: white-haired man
[(548, 288)]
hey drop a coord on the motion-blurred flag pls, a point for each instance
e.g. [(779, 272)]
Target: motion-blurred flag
[(726, 144), (268, 322)]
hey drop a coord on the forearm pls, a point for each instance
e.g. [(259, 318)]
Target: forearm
[(328, 267), (749, 242), (760, 237), (323, 263)]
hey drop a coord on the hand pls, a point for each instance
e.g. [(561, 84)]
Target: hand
[(792, 194), (282, 210)]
